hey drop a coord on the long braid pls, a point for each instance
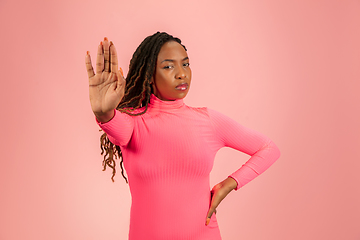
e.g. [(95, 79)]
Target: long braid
[(137, 91)]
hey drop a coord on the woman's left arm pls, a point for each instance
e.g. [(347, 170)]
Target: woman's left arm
[(262, 150)]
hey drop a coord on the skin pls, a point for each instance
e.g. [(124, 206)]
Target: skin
[(172, 69), (107, 85), (219, 192)]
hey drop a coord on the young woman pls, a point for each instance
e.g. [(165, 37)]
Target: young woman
[(167, 147)]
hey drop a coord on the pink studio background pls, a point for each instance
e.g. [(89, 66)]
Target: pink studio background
[(289, 69)]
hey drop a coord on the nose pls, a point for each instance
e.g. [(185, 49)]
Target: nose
[(181, 73)]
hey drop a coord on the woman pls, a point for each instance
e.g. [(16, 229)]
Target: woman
[(167, 147)]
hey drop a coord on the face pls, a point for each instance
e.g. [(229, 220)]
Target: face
[(172, 76)]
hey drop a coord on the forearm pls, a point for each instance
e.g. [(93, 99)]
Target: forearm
[(118, 126), (257, 164)]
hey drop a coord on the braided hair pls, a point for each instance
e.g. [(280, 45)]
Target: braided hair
[(137, 91)]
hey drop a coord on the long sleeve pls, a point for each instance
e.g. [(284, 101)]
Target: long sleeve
[(168, 155), (119, 129), (262, 150)]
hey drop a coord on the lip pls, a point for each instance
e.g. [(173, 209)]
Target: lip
[(182, 87)]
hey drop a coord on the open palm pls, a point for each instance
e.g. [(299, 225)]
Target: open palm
[(106, 86)]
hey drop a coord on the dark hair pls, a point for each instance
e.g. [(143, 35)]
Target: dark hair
[(137, 91)]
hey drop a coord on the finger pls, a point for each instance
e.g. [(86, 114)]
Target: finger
[(89, 67), (113, 80), (209, 214), (121, 75), (100, 59), (120, 81), (211, 208), (106, 48), (113, 59), (207, 221), (121, 71)]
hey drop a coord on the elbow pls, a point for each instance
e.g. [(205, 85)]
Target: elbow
[(274, 151), (269, 152)]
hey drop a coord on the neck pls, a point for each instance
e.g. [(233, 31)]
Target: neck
[(157, 103)]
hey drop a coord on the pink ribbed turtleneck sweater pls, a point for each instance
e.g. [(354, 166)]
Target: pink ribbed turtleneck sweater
[(168, 155)]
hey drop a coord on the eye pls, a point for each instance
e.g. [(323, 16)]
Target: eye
[(186, 64), (167, 67)]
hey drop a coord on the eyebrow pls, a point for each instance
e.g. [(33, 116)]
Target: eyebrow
[(172, 60)]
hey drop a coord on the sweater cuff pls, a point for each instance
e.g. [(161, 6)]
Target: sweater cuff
[(238, 185), (103, 126)]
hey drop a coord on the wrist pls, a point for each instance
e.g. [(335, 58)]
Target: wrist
[(105, 117), (230, 183)]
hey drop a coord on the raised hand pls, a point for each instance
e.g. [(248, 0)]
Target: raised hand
[(107, 85), (218, 193)]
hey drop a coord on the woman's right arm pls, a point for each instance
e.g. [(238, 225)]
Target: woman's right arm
[(106, 89), (107, 83)]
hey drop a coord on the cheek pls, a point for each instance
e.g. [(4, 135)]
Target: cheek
[(164, 80)]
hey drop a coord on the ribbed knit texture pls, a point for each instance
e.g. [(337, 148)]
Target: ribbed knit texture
[(168, 154)]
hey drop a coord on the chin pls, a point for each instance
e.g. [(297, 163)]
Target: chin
[(182, 95), (174, 96)]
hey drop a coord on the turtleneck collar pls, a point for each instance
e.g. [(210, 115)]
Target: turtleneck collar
[(156, 103)]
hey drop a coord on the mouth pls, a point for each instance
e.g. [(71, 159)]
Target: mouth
[(182, 87)]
